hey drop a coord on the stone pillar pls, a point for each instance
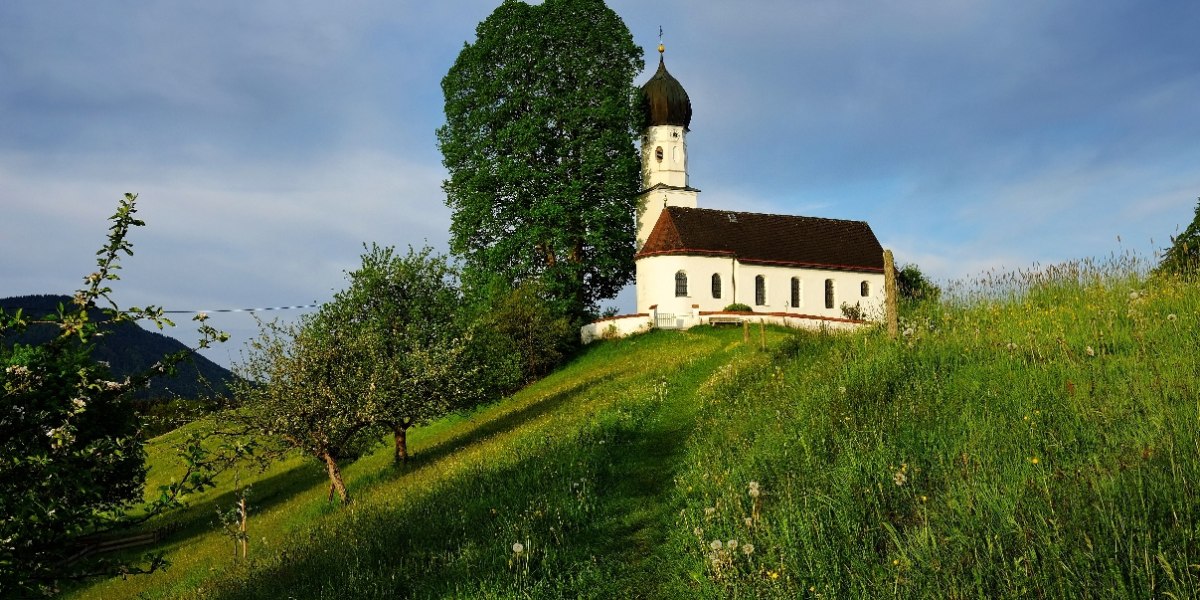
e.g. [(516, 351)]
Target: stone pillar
[(891, 301)]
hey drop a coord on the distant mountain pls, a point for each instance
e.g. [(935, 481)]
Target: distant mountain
[(128, 349)]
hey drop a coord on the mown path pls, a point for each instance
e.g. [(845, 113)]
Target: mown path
[(641, 501)]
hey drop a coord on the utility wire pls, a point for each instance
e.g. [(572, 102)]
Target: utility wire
[(238, 310)]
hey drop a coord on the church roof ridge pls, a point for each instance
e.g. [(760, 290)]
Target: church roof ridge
[(763, 238)]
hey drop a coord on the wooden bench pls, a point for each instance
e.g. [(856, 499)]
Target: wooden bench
[(718, 320)]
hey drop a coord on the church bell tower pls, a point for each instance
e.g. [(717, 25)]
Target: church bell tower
[(668, 113)]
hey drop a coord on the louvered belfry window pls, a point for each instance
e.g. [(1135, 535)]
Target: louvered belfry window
[(680, 284)]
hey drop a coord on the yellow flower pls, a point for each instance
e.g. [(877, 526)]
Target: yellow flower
[(1034, 460)]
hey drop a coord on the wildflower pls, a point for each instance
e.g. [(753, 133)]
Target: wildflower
[(1171, 317), (698, 531), (842, 389), (518, 548), (924, 498), (1089, 351), (899, 478), (79, 403), (201, 316), (908, 332), (1034, 460), (710, 511), (753, 489), (749, 522), (747, 549), (732, 544), (774, 575), (715, 545), (896, 562), (1012, 346), (1133, 295)]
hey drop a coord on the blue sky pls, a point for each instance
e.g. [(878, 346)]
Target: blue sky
[(269, 140)]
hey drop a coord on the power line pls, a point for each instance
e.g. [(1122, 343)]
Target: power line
[(239, 310)]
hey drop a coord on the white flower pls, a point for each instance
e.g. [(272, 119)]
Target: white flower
[(1089, 351), (698, 531), (749, 521), (518, 548), (1133, 295), (79, 403), (909, 331), (715, 545), (731, 544), (899, 478), (747, 549), (1171, 317), (1012, 345), (710, 511), (753, 492)]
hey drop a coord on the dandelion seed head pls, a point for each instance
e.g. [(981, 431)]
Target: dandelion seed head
[(1089, 351), (1171, 317), (731, 544), (518, 548), (715, 544), (747, 549)]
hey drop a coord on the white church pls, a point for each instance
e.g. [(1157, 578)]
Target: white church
[(693, 262)]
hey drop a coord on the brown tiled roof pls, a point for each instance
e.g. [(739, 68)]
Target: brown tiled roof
[(766, 239)]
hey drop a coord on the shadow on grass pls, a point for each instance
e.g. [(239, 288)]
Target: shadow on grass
[(475, 430)]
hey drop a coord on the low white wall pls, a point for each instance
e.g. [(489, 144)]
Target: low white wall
[(618, 327), (615, 327)]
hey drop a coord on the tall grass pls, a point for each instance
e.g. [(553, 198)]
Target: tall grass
[(1040, 438), (1035, 437)]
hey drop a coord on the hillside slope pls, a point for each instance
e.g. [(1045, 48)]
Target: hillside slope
[(1042, 439), (128, 349)]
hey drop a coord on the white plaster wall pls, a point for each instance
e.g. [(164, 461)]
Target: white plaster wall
[(672, 169), (616, 327), (656, 286)]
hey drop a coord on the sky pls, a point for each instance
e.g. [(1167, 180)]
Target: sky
[(269, 140)]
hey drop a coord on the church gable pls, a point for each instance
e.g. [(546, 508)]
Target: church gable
[(755, 238)]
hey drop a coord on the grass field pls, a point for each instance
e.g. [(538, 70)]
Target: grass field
[(1033, 435)]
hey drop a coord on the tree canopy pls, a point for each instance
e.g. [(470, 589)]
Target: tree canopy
[(539, 137), (1183, 257)]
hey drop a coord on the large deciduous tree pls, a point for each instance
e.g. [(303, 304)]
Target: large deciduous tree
[(539, 136)]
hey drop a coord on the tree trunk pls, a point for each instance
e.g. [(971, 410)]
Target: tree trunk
[(400, 430), (335, 477)]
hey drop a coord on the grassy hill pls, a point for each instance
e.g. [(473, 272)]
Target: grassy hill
[(1036, 435)]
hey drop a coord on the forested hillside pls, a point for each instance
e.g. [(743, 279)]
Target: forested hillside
[(128, 349)]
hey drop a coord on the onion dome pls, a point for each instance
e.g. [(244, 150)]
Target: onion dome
[(664, 100)]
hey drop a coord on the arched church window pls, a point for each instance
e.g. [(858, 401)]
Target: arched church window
[(716, 285), (658, 154), (795, 292), (760, 290), (680, 284), (828, 293), (864, 289)]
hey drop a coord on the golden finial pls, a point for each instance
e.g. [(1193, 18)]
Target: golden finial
[(661, 47)]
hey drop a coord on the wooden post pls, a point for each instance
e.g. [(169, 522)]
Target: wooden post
[(242, 529), (745, 332), (891, 292), (762, 335)]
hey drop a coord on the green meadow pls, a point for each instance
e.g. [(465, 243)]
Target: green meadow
[(1031, 435)]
